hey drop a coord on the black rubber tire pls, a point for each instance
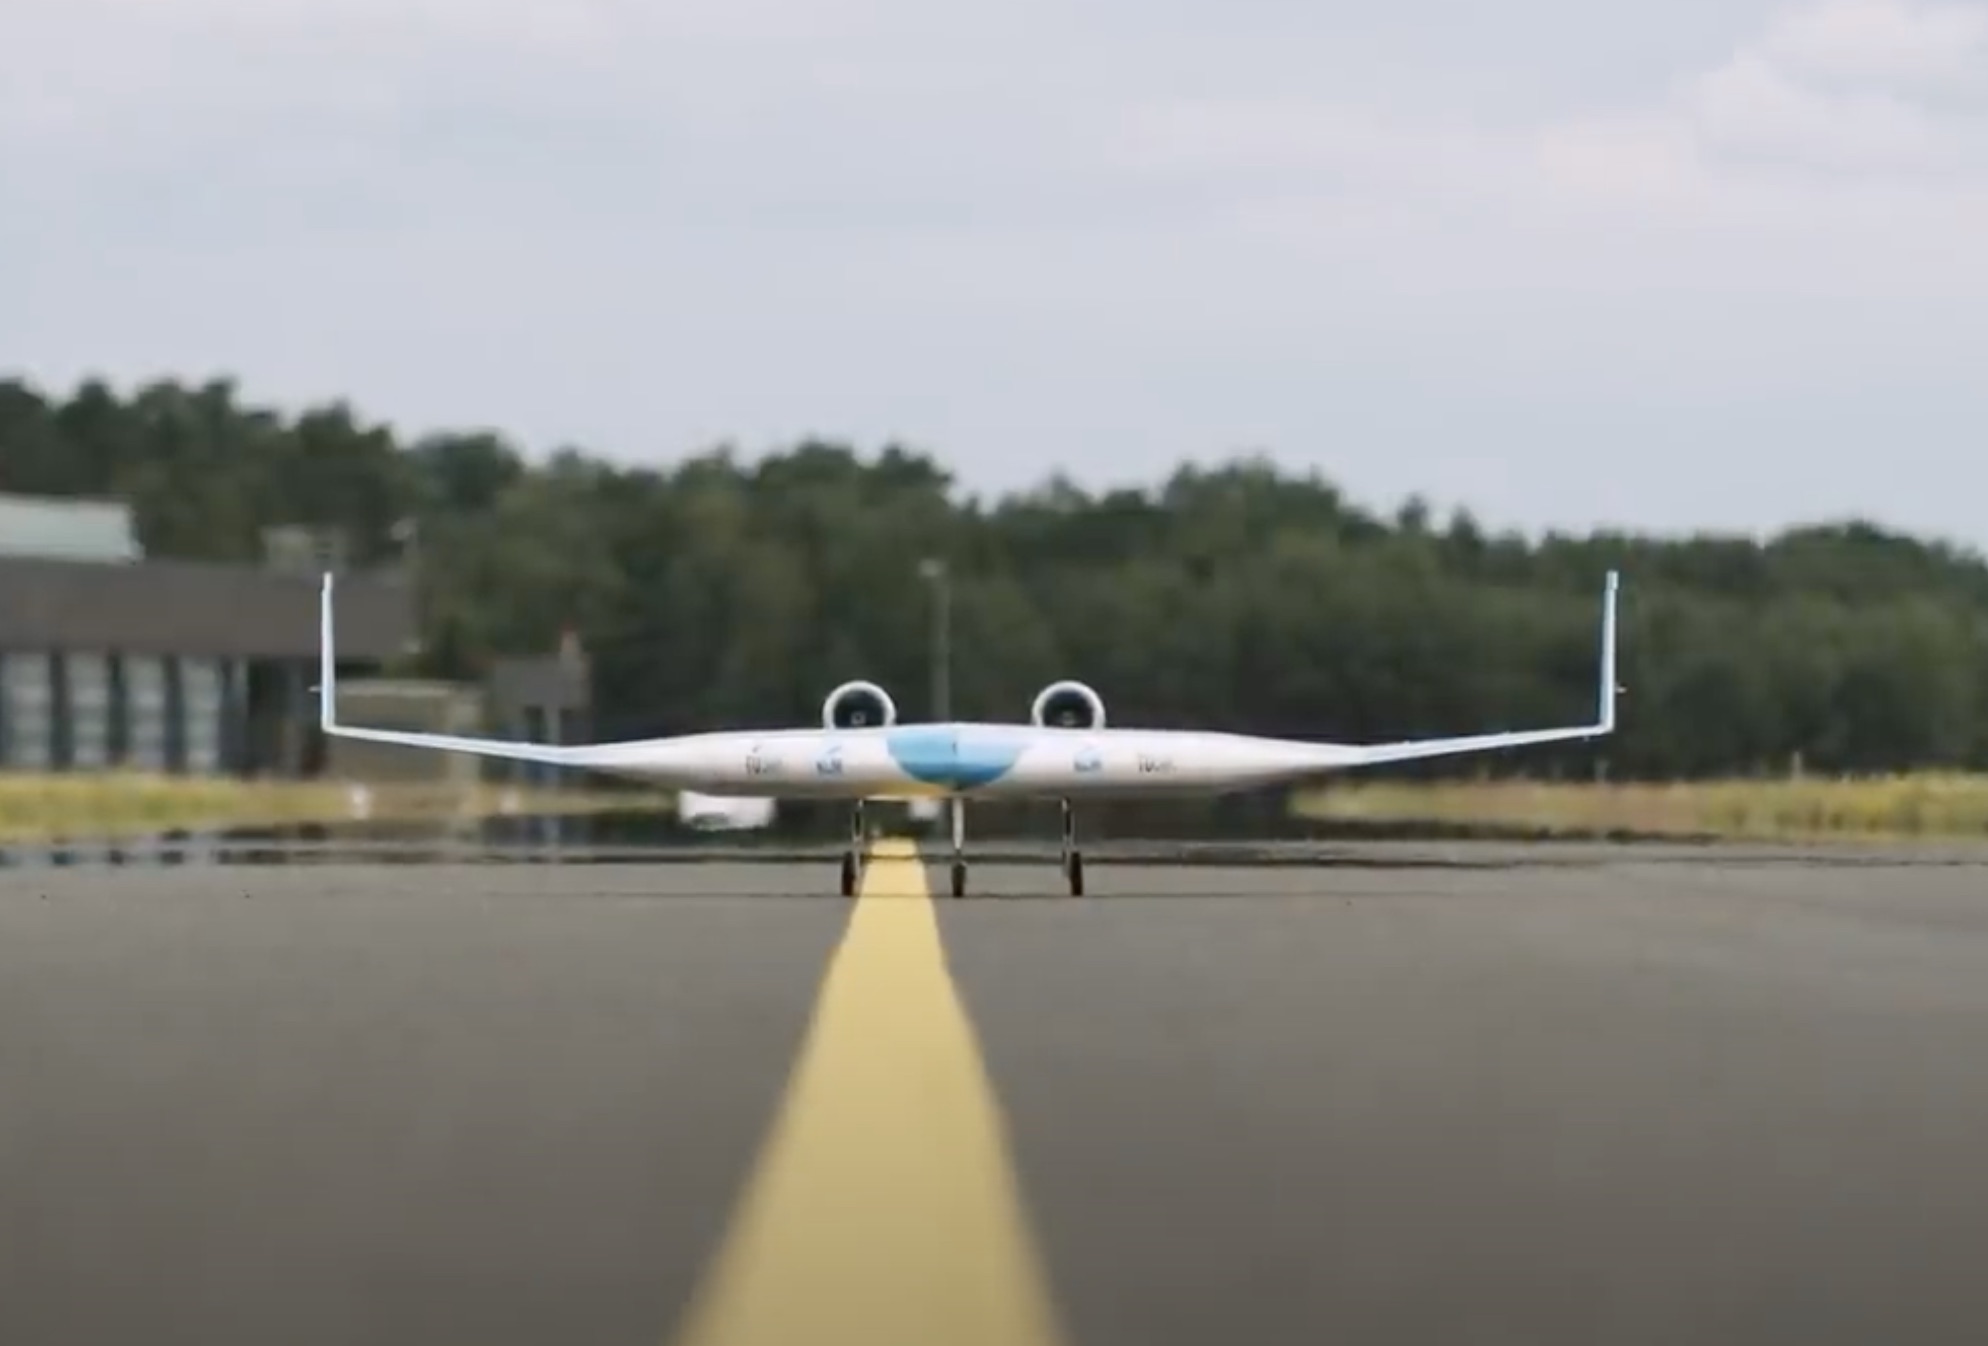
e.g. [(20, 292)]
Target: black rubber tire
[(849, 875), (1076, 874), (959, 878)]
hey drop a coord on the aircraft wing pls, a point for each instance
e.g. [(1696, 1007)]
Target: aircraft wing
[(516, 750), (1374, 754)]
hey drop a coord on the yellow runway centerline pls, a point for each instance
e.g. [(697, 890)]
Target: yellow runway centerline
[(884, 1210)]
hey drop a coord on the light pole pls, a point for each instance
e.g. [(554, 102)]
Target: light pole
[(933, 570), (407, 532)]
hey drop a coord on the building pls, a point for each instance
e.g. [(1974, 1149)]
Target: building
[(424, 705), (110, 659), (74, 530), (538, 699), (547, 699)]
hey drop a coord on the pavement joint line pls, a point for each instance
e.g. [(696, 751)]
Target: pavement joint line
[(883, 1209)]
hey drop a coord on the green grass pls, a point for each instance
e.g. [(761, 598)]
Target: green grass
[(1930, 805), (80, 805), (74, 806)]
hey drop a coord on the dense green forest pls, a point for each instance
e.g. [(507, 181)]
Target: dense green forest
[(724, 592)]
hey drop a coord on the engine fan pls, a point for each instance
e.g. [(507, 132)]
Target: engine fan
[(1067, 704), (858, 705)]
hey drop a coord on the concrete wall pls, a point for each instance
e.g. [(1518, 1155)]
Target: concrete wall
[(429, 707)]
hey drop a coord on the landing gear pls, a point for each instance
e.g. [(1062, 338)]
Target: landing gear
[(852, 859), (959, 845), (1073, 859)]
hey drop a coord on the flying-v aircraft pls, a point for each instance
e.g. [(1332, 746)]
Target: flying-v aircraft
[(861, 753)]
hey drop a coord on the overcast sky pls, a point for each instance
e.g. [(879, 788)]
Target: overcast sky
[(1674, 263)]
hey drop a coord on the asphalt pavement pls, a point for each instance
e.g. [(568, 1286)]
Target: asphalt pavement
[(1452, 1094)]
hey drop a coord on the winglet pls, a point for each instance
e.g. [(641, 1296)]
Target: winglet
[(1605, 712), (326, 718), (603, 755)]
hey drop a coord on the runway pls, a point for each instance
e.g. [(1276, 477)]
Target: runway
[(1400, 1094)]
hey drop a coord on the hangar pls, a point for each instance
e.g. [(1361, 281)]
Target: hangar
[(112, 659)]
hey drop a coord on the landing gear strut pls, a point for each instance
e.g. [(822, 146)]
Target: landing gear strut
[(959, 845), (1073, 859), (852, 859)]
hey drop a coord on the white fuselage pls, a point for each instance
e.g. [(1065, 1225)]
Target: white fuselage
[(981, 760)]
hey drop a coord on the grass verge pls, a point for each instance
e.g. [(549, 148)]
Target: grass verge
[(79, 806), (1931, 805)]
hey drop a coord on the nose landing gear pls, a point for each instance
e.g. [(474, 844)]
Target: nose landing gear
[(852, 858), (959, 845), (1071, 861)]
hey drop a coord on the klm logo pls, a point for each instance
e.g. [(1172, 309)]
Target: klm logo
[(830, 762), (1088, 762)]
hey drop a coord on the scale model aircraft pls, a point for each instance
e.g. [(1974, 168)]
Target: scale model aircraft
[(1065, 752)]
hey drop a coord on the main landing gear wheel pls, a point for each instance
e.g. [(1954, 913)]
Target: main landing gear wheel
[(852, 859), (959, 878), (1073, 859)]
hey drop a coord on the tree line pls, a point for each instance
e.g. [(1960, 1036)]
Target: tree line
[(726, 592)]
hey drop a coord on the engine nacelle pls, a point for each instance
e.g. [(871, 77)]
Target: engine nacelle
[(1067, 705), (858, 705)]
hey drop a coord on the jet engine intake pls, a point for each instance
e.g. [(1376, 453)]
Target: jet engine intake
[(858, 705), (1067, 704)]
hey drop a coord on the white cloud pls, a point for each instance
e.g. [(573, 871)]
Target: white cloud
[(1880, 40), (1850, 84), (1755, 167), (1751, 107), (1018, 231), (1828, 149), (93, 73)]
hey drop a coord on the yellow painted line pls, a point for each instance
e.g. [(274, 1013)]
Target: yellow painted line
[(884, 1210)]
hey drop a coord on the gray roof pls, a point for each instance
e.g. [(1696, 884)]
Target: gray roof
[(73, 529), (196, 608)]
